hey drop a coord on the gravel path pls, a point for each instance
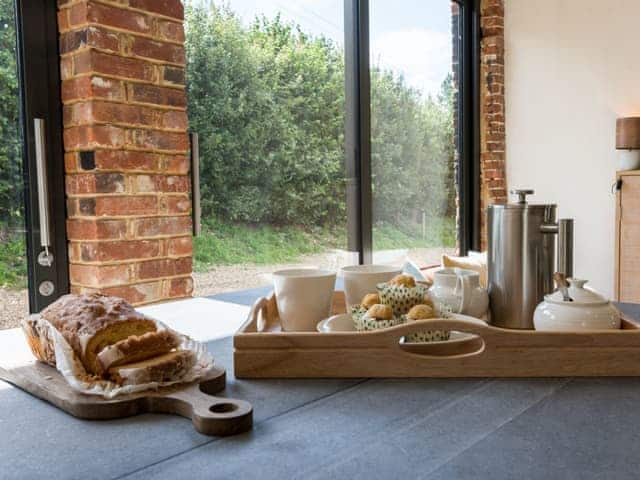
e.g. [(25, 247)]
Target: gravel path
[(13, 307), (13, 303)]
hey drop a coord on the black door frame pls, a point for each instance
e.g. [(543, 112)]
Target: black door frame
[(358, 127), (39, 80)]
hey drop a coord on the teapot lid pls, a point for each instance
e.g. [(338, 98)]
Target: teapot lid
[(580, 294)]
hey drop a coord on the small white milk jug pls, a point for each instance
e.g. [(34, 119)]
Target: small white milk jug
[(460, 291)]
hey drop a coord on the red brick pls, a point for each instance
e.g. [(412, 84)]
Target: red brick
[(169, 8), (162, 226), (137, 294), (159, 140), (178, 247), (126, 205), (492, 31), (103, 39), (181, 287), (119, 18), (170, 267), (108, 112), (107, 64), (99, 275), (66, 68), (172, 75), (176, 164), (71, 162), (120, 250), (95, 183), (162, 183), (73, 40), (158, 95), (127, 160), (78, 229), (93, 137), (175, 119), (171, 31), (88, 87), (78, 14), (166, 52), (175, 204), (63, 20)]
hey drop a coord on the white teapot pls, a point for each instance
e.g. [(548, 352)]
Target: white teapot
[(587, 310), (460, 291)]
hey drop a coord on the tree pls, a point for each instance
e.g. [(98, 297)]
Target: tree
[(11, 192)]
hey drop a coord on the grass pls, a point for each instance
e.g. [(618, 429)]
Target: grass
[(440, 232), (13, 263), (226, 244)]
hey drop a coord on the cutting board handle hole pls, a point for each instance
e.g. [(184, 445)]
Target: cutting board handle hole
[(224, 407)]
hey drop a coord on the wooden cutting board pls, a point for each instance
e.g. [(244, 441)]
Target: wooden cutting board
[(211, 415)]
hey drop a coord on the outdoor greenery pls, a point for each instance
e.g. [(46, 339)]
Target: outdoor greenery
[(268, 103)]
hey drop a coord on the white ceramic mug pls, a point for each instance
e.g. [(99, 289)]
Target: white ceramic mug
[(303, 297), (362, 279)]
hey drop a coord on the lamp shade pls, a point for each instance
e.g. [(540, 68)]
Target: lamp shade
[(628, 133)]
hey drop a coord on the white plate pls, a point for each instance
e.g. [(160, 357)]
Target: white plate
[(344, 323)]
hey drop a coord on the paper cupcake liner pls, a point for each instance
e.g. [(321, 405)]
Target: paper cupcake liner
[(364, 323), (442, 311), (400, 298), (428, 336)]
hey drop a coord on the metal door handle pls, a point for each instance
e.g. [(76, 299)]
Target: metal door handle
[(45, 258), (195, 183)]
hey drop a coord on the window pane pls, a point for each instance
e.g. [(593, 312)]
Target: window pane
[(13, 263), (266, 97), (413, 154)]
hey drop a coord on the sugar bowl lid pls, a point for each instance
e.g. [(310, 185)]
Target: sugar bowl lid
[(580, 295)]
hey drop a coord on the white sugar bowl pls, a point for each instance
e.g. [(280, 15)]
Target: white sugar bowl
[(588, 311)]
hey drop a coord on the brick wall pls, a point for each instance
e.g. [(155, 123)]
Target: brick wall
[(126, 147), (493, 187)]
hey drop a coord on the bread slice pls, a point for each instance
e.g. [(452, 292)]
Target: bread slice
[(164, 368), (91, 322), (135, 349)]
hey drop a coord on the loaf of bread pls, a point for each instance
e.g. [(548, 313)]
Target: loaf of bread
[(39, 340), (135, 349), (89, 323), (164, 368)]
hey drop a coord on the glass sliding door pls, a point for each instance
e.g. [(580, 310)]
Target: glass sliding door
[(413, 99), (330, 133), (266, 94), (13, 249), (33, 256)]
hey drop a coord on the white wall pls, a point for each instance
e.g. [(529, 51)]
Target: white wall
[(572, 68)]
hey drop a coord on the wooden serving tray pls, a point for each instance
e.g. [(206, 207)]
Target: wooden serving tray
[(210, 415), (262, 350)]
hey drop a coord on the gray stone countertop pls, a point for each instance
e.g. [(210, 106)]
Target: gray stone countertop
[(430, 428)]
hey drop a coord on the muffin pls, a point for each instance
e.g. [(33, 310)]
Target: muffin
[(378, 316), (401, 293), (403, 280), (370, 300), (424, 312)]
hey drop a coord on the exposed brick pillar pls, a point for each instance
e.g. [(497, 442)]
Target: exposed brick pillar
[(493, 187), (126, 144)]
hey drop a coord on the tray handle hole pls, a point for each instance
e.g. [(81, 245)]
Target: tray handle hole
[(469, 346), (224, 407)]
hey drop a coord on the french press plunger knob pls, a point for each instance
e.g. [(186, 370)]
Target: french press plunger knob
[(522, 194)]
